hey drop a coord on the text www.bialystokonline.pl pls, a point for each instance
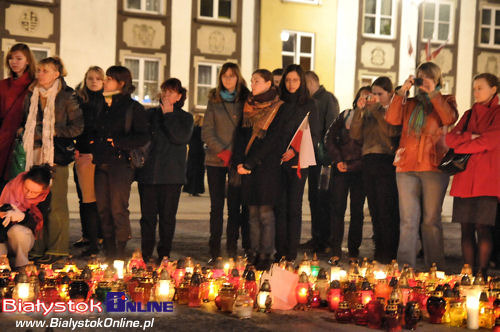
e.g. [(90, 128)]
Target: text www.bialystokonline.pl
[(89, 323)]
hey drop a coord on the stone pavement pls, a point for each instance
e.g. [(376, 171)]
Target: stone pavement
[(191, 239)]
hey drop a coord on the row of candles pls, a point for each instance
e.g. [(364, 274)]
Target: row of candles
[(365, 294)]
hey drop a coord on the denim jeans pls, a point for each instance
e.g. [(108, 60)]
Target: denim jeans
[(261, 219), (421, 196)]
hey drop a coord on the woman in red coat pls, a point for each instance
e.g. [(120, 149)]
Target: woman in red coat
[(477, 189), (21, 64)]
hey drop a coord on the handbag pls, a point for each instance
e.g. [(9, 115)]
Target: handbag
[(17, 159), (453, 163), (234, 177), (64, 150), (137, 156)]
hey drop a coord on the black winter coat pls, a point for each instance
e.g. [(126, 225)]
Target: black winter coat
[(111, 124), (263, 185), (292, 115), (170, 134), (91, 109), (341, 147), (328, 110)]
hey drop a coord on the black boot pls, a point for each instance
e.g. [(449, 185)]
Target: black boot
[(92, 224)]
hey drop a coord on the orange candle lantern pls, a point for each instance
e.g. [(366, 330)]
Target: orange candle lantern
[(302, 292), (334, 295), (366, 293)]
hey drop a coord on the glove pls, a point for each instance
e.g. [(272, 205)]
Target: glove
[(225, 156), (15, 215)]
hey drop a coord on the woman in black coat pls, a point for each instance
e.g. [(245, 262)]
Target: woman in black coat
[(110, 150), (164, 173), (297, 106), (257, 155)]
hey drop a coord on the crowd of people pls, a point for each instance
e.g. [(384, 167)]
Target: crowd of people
[(387, 149)]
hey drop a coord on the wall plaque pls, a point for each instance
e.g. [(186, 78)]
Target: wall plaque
[(216, 40), (29, 21)]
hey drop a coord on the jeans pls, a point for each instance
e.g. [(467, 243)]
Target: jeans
[(112, 188), (289, 213), (379, 178), (237, 217), (421, 196), (55, 239), (261, 220), (158, 200), (320, 208), (342, 184)]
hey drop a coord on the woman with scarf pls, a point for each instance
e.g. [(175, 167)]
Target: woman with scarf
[(224, 111), (421, 186), (54, 119), (369, 127), (121, 127), (91, 102), (24, 220), (257, 158), (297, 106), (476, 190), (21, 64)]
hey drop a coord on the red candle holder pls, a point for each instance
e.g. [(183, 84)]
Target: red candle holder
[(343, 314), (334, 295), (375, 309)]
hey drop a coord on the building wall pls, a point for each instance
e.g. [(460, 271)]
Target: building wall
[(86, 38), (277, 15)]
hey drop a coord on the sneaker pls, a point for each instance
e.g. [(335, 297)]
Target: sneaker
[(82, 242)]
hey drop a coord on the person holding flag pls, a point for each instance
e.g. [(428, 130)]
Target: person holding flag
[(299, 130)]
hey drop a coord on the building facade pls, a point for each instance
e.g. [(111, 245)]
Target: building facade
[(155, 39)]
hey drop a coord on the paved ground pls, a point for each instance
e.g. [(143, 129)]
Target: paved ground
[(191, 239)]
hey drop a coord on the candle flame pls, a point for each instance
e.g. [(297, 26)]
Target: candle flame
[(380, 275), (23, 290)]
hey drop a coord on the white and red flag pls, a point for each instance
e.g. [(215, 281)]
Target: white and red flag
[(428, 55), (437, 50), (302, 143)]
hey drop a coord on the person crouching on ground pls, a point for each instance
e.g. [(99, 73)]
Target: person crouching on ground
[(23, 221)]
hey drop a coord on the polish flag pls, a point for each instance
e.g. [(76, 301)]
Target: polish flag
[(437, 50), (428, 55), (302, 142), (410, 47)]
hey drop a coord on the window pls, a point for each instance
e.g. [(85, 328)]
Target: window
[(145, 73), (437, 20), (216, 9), (490, 27), (298, 48), (206, 79), (378, 18), (40, 53), (146, 6)]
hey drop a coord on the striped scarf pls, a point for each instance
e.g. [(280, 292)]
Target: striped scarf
[(419, 114)]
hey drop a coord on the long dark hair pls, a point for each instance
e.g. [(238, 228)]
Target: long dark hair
[(358, 95), (302, 92), (241, 85), (122, 74)]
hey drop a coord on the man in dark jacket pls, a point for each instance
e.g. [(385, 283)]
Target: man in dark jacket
[(328, 110)]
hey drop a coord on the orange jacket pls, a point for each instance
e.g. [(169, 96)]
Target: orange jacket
[(422, 153)]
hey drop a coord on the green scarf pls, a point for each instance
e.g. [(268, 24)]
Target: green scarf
[(419, 114)]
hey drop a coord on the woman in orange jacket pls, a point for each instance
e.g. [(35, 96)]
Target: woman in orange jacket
[(421, 186)]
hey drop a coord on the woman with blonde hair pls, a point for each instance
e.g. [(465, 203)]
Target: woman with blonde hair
[(224, 112), (91, 102), (21, 65), (54, 119)]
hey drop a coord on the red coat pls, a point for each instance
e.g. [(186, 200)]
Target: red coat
[(482, 175), (12, 93)]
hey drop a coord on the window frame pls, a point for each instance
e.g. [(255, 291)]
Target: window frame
[(491, 26), (216, 10), (297, 54), (378, 17), (143, 5), (41, 48), (435, 31), (214, 71), (140, 80)]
